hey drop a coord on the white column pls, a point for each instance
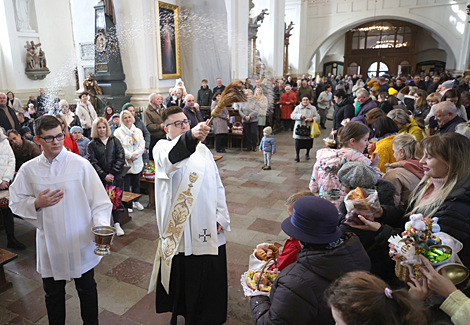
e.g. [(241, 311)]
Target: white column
[(237, 23), (296, 11), (464, 49)]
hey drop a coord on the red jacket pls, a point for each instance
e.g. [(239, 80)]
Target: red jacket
[(287, 109), (70, 143), (289, 254)]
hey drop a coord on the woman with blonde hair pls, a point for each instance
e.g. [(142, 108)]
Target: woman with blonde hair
[(405, 123), (133, 142), (262, 103), (407, 172), (69, 140), (444, 191), (106, 155)]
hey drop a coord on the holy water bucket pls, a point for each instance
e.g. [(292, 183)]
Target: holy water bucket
[(103, 237)]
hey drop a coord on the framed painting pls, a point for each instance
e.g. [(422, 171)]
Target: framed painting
[(168, 42)]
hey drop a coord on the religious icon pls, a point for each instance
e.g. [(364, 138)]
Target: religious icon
[(168, 41)]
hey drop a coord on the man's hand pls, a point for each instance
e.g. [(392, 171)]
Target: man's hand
[(47, 198), (4, 185), (201, 131), (109, 178), (134, 157), (247, 118), (87, 126), (219, 228)]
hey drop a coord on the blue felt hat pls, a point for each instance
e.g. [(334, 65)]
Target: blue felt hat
[(314, 220)]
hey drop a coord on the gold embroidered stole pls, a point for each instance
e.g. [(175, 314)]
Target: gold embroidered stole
[(179, 214)]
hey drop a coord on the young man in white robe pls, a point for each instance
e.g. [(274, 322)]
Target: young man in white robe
[(61, 194), (196, 286)]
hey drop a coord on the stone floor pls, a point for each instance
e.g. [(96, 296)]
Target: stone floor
[(255, 200)]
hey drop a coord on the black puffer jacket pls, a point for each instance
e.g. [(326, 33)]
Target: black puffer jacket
[(106, 159), (343, 110), (297, 294), (453, 214)]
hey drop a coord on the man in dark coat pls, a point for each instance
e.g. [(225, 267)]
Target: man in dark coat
[(8, 119), (204, 95), (297, 294), (219, 86), (417, 82), (24, 150), (193, 113), (445, 114), (366, 102)]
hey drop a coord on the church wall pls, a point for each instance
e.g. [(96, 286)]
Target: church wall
[(330, 19), (54, 32)]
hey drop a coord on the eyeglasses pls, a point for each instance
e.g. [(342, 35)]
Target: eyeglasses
[(50, 139), (179, 124)]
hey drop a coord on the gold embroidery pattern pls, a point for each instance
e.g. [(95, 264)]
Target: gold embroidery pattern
[(177, 221)]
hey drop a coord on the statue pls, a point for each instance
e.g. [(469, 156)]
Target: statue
[(260, 17), (287, 34), (36, 64), (91, 87), (109, 10), (22, 15)]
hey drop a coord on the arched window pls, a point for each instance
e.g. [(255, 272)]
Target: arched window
[(381, 35), (353, 69), (377, 69)]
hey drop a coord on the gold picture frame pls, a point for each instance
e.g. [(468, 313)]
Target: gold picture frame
[(168, 41)]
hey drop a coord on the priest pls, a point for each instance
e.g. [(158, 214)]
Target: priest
[(60, 193), (190, 270)]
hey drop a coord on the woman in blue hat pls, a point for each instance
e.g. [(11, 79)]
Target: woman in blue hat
[(297, 294)]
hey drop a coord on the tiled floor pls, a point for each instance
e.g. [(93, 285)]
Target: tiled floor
[(255, 199)]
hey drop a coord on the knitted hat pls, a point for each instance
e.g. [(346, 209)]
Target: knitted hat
[(126, 105), (115, 115), (76, 128), (268, 130), (357, 174), (25, 130), (314, 220), (448, 84)]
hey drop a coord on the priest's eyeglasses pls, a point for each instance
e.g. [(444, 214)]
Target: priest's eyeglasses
[(179, 124), (50, 139)]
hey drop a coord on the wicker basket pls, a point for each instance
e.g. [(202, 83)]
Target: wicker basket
[(401, 271), (330, 142)]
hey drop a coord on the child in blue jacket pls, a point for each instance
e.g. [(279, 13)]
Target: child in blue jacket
[(268, 146)]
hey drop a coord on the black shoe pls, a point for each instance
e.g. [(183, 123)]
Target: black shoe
[(12, 242), (254, 148), (323, 126), (222, 151), (248, 149), (297, 159), (307, 157)]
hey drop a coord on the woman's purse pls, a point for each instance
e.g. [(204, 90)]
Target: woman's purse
[(302, 130)]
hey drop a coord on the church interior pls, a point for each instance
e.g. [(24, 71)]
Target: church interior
[(66, 47)]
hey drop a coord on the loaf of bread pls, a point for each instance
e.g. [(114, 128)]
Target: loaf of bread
[(357, 194)]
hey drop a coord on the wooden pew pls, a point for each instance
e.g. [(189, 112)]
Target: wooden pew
[(5, 257)]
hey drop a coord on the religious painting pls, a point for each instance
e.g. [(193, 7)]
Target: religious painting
[(168, 41)]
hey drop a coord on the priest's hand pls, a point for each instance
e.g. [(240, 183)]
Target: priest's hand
[(4, 185), (109, 178), (219, 228), (201, 131), (47, 198)]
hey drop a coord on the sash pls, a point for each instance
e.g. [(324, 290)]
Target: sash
[(179, 214)]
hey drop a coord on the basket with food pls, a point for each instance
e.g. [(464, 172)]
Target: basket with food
[(330, 142), (258, 280), (149, 171)]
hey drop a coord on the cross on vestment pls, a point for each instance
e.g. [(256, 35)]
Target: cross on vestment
[(205, 234)]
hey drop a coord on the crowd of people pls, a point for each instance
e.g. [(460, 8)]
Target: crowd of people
[(405, 138)]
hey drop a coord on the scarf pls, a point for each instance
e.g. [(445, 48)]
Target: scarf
[(69, 117), (130, 139)]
